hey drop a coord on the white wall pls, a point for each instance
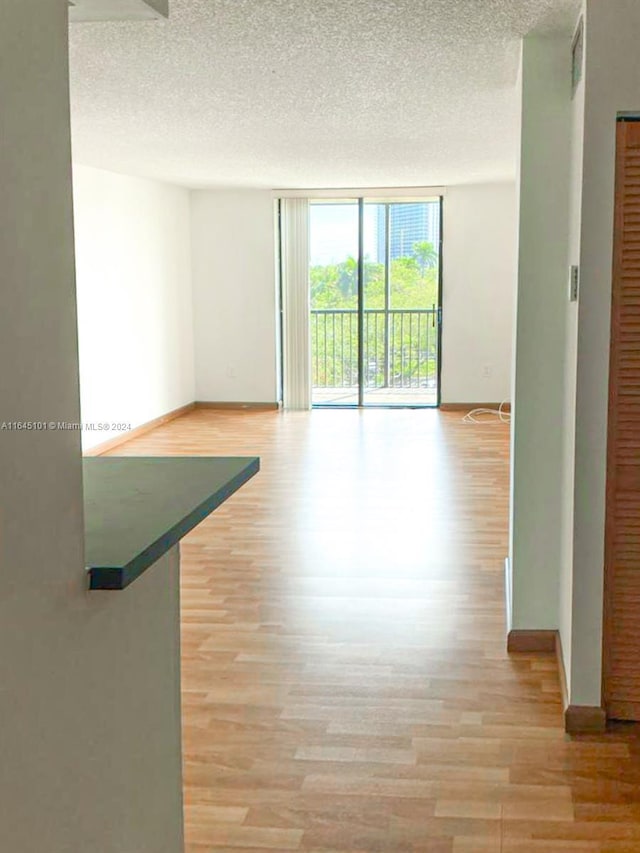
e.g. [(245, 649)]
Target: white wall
[(133, 256), (234, 295), (612, 85), (564, 587), (83, 765), (479, 281), (542, 304), (570, 364), (41, 527)]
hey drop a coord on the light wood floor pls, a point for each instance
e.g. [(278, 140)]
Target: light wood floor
[(345, 683)]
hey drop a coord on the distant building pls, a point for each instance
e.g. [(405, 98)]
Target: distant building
[(411, 223)]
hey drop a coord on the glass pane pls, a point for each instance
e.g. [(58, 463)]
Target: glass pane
[(401, 242), (333, 275), (414, 254), (375, 296)]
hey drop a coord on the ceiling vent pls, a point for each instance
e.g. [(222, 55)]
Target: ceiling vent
[(117, 10)]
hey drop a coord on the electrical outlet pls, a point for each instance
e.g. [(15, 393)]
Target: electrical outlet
[(574, 283), (231, 371), (487, 371)]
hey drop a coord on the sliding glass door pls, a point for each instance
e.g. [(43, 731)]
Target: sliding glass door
[(375, 302)]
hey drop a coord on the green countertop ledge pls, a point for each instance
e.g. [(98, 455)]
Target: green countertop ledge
[(137, 508)]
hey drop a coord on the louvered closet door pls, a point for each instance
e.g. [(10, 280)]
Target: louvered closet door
[(622, 550)]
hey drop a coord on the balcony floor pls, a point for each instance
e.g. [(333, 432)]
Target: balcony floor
[(375, 397)]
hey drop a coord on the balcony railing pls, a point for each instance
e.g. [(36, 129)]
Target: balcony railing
[(400, 348)]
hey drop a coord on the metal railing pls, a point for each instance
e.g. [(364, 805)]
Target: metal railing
[(400, 348)]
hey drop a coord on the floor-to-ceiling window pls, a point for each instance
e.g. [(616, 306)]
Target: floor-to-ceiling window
[(375, 295)]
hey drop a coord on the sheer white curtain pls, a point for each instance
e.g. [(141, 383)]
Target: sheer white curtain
[(294, 229)]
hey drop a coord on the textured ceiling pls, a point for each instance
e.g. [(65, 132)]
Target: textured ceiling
[(307, 93)]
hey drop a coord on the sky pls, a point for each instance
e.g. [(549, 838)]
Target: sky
[(334, 229), (334, 232)]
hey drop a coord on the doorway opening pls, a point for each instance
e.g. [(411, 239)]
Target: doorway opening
[(375, 273)]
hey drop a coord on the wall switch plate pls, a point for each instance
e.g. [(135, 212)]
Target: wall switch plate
[(574, 282)]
